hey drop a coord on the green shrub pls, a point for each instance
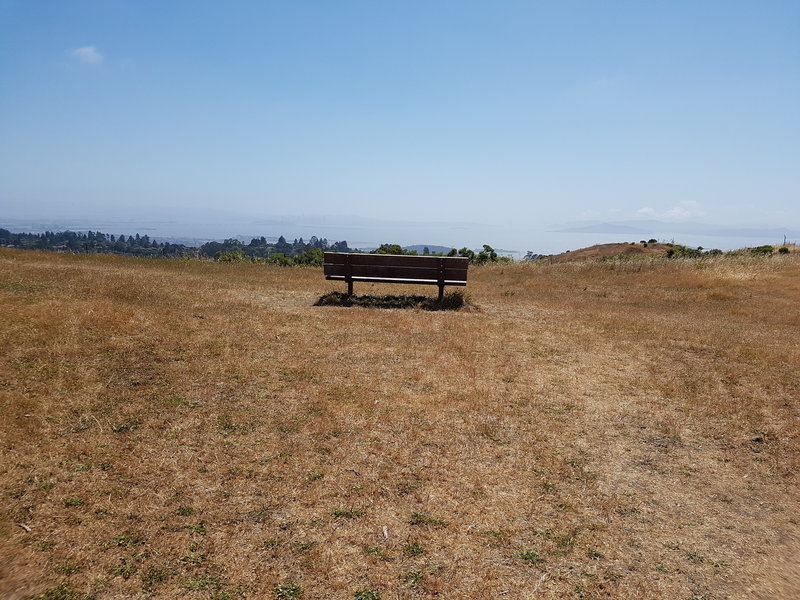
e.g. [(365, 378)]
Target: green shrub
[(680, 251), (231, 256), (280, 259), (762, 250), (313, 257), (783, 250)]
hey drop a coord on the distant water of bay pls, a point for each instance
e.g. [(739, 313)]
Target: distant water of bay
[(513, 239)]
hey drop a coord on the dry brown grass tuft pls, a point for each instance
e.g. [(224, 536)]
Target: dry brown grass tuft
[(595, 430)]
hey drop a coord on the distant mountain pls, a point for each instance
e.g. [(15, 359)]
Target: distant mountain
[(651, 227), (604, 228)]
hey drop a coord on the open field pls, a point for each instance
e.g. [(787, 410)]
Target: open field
[(188, 429)]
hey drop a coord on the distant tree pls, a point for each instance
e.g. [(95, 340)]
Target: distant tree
[(283, 247), (231, 256), (389, 249), (467, 253)]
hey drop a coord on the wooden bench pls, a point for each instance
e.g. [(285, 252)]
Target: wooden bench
[(394, 268)]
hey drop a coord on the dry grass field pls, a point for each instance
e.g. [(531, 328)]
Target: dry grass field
[(188, 429)]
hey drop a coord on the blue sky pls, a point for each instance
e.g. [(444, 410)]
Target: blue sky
[(510, 114)]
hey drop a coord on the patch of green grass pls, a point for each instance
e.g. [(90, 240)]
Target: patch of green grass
[(226, 595), (413, 549), (124, 569), (374, 550), (203, 583), (694, 556), (73, 502), (719, 564), (156, 574), (68, 569), (419, 518), (303, 547), (314, 476), (174, 401), (185, 511), (366, 595), (287, 591), (565, 541), (199, 528), (63, 592), (530, 557), (496, 537), (413, 577)]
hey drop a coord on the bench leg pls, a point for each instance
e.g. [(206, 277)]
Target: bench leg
[(441, 293), (349, 288)]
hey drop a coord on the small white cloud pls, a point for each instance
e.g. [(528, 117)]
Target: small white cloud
[(687, 209), (647, 211), (88, 55)]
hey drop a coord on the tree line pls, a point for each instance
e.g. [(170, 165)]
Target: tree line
[(481, 257), (259, 249), (95, 242)]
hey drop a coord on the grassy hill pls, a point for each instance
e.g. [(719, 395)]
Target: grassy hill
[(190, 429), (601, 251)]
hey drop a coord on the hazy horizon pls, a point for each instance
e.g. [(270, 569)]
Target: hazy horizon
[(369, 233)]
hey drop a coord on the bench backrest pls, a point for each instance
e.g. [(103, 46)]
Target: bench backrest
[(433, 269)]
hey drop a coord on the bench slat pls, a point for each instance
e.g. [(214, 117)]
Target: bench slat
[(389, 272), (395, 280), (395, 260)]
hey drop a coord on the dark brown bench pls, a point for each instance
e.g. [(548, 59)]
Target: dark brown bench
[(394, 268)]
